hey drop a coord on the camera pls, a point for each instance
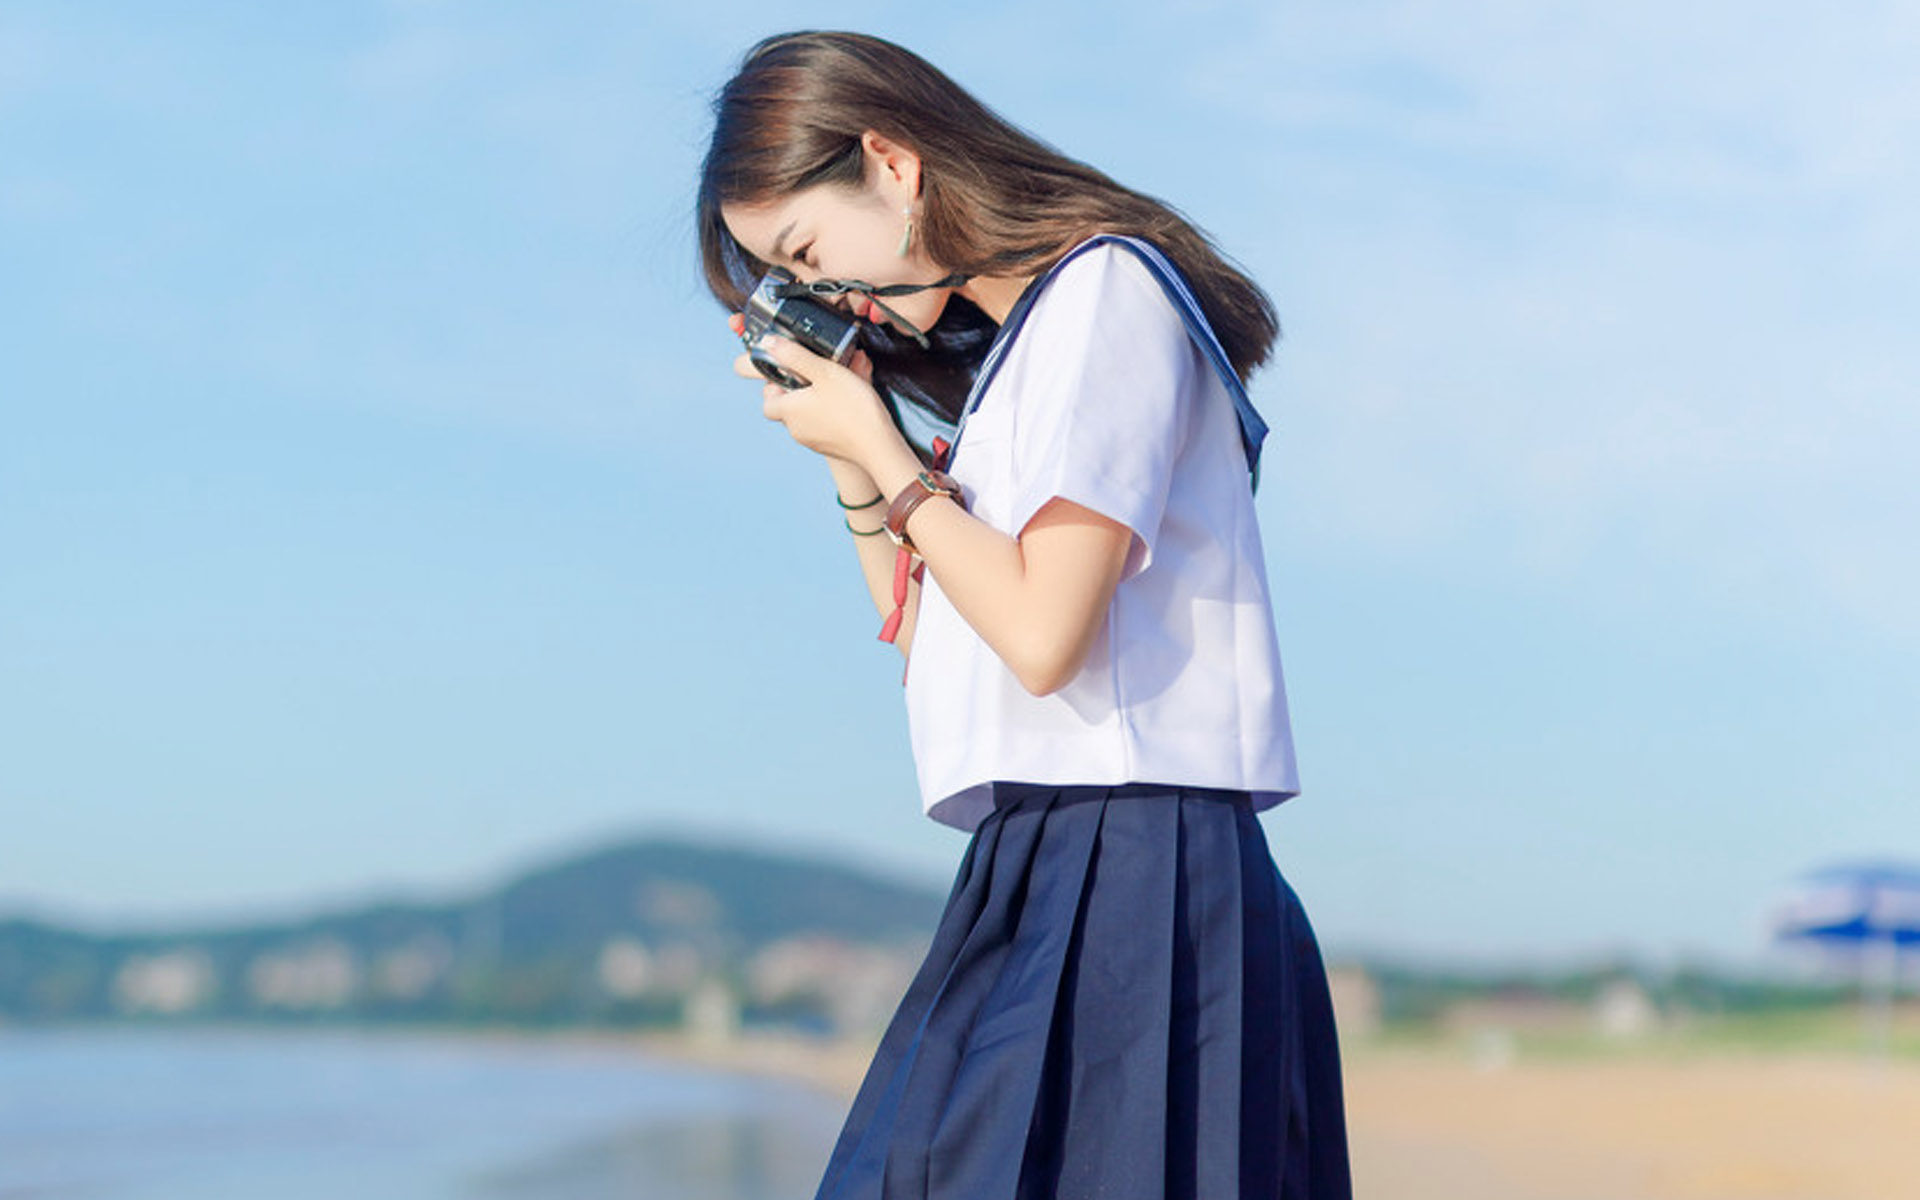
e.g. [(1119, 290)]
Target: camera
[(780, 305)]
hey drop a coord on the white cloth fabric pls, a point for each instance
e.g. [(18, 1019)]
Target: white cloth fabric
[(1105, 399)]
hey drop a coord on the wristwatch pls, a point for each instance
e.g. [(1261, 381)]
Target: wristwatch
[(928, 483)]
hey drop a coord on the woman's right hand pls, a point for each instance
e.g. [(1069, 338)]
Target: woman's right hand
[(846, 470)]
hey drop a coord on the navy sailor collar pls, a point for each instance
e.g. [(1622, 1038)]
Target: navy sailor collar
[(1253, 428)]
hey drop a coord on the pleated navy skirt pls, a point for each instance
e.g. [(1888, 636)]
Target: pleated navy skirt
[(1123, 1000)]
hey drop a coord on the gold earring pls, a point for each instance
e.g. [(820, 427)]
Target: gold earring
[(906, 235)]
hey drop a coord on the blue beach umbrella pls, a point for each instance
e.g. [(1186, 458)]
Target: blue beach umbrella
[(1869, 911)]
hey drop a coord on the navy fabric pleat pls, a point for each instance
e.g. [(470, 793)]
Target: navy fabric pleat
[(1123, 999)]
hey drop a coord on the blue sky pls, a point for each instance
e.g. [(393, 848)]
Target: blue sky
[(371, 516)]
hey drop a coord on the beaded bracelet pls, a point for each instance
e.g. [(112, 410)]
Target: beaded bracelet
[(849, 524)]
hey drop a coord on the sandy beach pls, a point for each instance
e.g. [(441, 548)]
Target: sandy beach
[(1721, 1127), (1435, 1124)]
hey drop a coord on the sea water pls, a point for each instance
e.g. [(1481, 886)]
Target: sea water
[(240, 1114)]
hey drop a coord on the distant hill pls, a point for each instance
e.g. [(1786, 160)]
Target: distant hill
[(661, 888), (668, 931), (552, 943)]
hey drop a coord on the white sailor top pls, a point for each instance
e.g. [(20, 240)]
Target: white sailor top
[(1113, 393)]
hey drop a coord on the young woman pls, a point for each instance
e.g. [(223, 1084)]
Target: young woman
[(1124, 997)]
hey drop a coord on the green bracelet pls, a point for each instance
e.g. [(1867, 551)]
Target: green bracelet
[(863, 532), (868, 504)]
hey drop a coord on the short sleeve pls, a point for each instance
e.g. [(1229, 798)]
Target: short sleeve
[(1101, 414)]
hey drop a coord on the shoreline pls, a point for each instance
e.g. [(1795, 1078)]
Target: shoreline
[(832, 1067), (835, 1065)]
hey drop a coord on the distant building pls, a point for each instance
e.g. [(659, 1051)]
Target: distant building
[(407, 972), (1623, 1010), (858, 985), (1356, 1001), (318, 974), (676, 967), (625, 967), (712, 1013), (678, 903), (1516, 1012), (171, 982)]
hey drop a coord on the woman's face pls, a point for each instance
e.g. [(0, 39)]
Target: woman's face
[(834, 232)]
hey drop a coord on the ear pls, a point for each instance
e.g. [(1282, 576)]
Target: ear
[(896, 167)]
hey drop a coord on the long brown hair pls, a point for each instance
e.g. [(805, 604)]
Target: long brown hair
[(996, 200)]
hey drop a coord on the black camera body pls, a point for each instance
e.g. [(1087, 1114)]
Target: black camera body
[(820, 328)]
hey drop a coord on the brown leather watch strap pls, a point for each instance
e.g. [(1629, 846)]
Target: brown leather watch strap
[(928, 483)]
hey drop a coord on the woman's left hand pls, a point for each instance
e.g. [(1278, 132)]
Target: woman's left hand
[(839, 414)]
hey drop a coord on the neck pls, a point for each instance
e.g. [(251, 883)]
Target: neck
[(995, 296)]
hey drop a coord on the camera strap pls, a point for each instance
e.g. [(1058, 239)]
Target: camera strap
[(836, 287)]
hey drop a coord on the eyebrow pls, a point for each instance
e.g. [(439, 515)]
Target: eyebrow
[(781, 237)]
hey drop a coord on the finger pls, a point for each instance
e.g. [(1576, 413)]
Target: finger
[(798, 359), (743, 366), (861, 365), (737, 323)]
